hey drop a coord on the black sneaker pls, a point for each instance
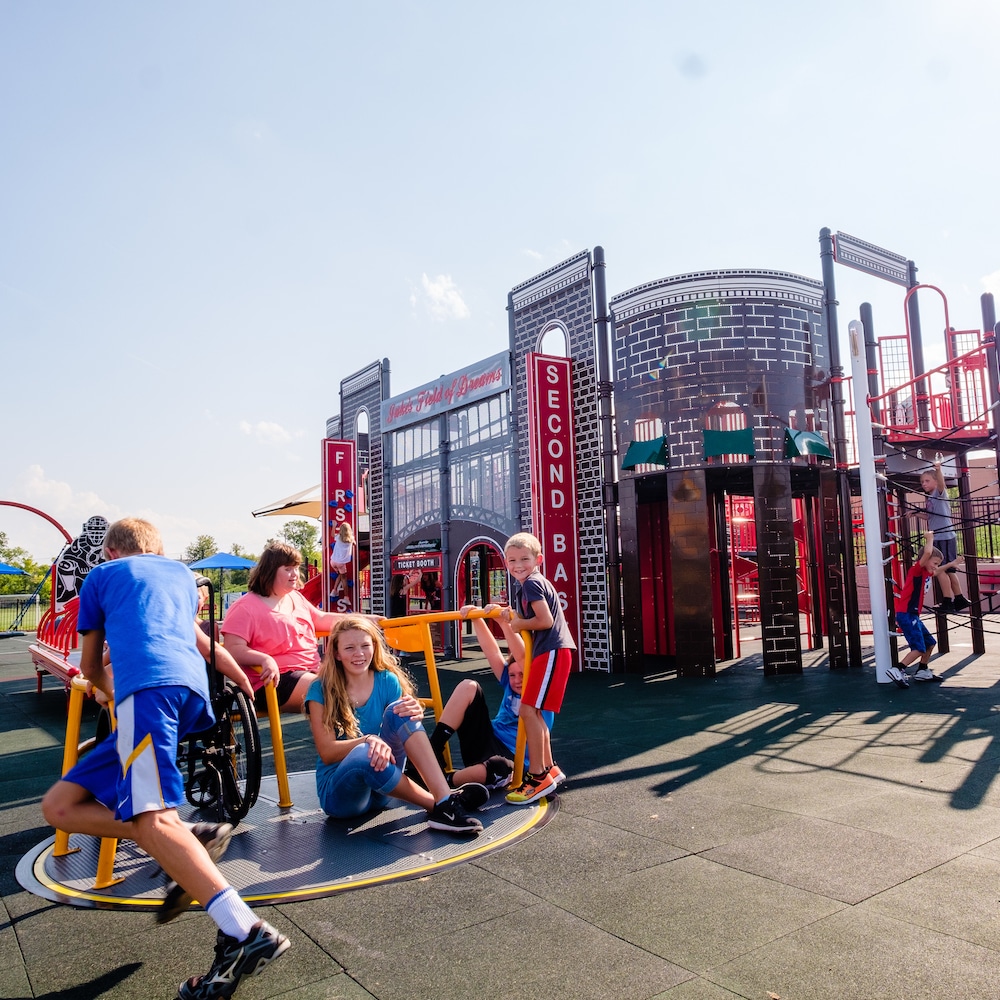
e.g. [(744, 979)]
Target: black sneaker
[(451, 817), (472, 795), (946, 607), (234, 960), (959, 603), (499, 772), (215, 837)]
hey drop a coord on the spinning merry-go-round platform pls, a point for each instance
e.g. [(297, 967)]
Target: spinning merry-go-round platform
[(285, 855)]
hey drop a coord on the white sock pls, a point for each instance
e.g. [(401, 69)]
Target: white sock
[(231, 914)]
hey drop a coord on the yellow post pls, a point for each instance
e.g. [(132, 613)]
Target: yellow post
[(413, 635), (278, 746), (522, 738), (71, 752)]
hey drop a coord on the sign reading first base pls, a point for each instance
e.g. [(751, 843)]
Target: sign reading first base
[(552, 457), (339, 491)]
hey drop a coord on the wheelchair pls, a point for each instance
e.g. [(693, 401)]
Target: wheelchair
[(222, 765)]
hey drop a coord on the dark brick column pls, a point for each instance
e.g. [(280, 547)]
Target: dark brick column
[(692, 583), (779, 616), (833, 579)]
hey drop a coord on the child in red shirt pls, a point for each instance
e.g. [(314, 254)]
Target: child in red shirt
[(909, 604)]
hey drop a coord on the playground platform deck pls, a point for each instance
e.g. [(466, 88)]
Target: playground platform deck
[(805, 837)]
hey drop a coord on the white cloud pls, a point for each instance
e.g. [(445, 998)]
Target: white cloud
[(991, 283), (268, 433), (442, 298), (533, 254)]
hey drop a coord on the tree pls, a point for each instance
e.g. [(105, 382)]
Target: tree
[(13, 555), (202, 548), (304, 535)]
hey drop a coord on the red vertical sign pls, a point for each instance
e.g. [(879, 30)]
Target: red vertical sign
[(339, 492), (552, 458)]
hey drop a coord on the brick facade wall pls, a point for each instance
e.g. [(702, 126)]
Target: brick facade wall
[(751, 344), (563, 295)]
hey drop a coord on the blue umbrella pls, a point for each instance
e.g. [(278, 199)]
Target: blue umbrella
[(11, 570), (222, 561)]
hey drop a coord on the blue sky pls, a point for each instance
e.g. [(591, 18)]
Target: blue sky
[(211, 213)]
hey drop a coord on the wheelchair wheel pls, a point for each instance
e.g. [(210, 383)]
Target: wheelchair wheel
[(203, 789), (239, 761)]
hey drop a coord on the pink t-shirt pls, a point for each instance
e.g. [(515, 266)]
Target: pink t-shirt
[(288, 636)]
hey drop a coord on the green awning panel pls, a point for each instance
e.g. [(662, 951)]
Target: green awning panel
[(799, 443), (646, 453), (729, 442)]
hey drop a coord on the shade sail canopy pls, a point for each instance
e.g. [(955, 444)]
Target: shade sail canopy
[(305, 503), (729, 442), (652, 452), (798, 443), (7, 570), (223, 560)]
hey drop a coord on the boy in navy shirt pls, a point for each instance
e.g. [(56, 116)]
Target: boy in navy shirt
[(536, 608)]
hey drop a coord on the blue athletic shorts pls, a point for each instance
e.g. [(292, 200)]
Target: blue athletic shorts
[(915, 631), (134, 770)]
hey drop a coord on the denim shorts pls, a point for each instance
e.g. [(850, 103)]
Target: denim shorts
[(915, 631), (353, 787)]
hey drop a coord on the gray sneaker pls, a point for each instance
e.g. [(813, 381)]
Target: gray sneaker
[(234, 960), (215, 838)]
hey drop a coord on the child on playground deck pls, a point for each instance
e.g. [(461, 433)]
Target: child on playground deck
[(365, 722), (937, 517), (908, 607), (536, 608), (341, 556), (487, 745), (129, 786)]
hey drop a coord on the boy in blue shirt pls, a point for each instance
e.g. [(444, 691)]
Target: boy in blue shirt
[(129, 786), (487, 744)]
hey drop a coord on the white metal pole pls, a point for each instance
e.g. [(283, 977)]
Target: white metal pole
[(869, 503)]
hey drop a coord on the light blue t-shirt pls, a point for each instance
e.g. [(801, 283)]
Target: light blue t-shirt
[(505, 721), (146, 605), (385, 691)]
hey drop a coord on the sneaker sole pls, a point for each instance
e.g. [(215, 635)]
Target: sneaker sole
[(444, 828), (540, 794)]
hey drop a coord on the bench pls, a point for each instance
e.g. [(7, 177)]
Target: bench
[(989, 583), (55, 652)]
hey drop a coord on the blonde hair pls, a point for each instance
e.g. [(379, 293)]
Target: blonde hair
[(132, 536), (345, 534), (524, 540), (338, 714)]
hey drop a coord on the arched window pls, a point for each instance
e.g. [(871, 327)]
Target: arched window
[(554, 341)]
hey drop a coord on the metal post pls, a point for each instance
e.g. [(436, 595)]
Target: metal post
[(446, 587), (921, 405), (870, 506), (854, 655), (879, 465), (609, 492)]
